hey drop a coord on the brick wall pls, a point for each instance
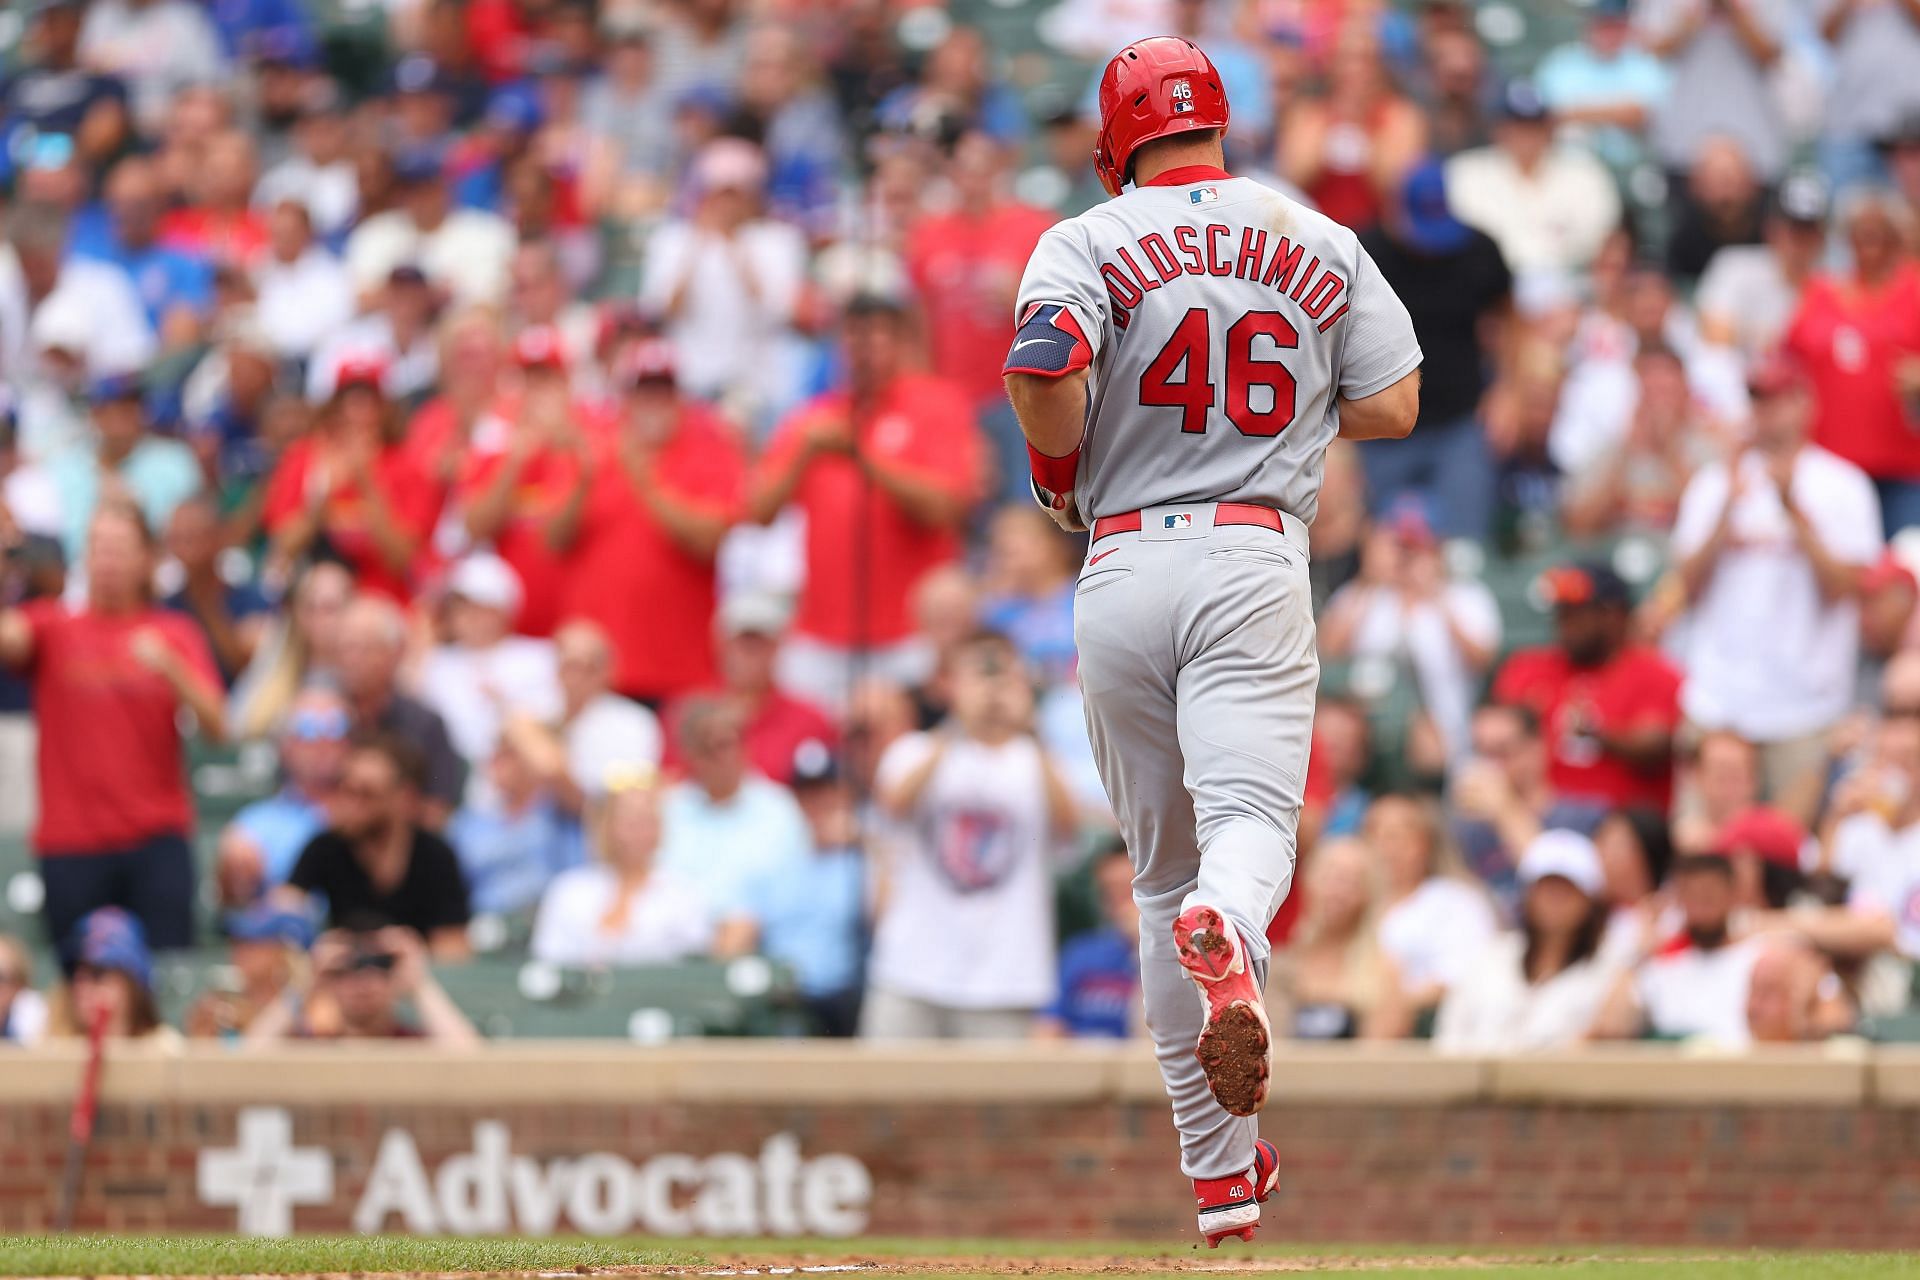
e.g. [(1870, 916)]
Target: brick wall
[(1760, 1170)]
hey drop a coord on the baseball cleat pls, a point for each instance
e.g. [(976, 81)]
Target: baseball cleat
[(1230, 1207), (1234, 1043)]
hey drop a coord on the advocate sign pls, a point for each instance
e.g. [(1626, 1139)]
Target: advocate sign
[(490, 1190)]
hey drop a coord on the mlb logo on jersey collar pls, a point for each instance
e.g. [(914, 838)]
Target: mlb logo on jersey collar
[(1203, 195)]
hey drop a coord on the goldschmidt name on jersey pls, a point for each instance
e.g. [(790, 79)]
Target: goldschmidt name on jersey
[(1211, 251)]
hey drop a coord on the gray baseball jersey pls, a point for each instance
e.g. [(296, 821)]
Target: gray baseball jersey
[(1225, 321)]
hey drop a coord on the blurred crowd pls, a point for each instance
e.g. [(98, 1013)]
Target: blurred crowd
[(565, 439)]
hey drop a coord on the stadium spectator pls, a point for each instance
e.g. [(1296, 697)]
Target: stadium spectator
[(1635, 851), (304, 642), (624, 908), (1332, 981), (300, 287), (1889, 597), (1099, 990), (1434, 917), (727, 280), (1858, 336), (1719, 56), (1503, 798), (317, 169), (885, 472), (127, 459), (65, 319), (730, 831), (663, 493), (1608, 706), (1722, 205), (372, 641), (1405, 609), (1724, 780), (354, 990), (812, 917), (1547, 207), (231, 616), (630, 159), (1636, 486), (484, 673), (1765, 847), (1793, 995), (1797, 525), (963, 944), (1457, 288), (376, 858), (266, 945), (1695, 983), (956, 91), (174, 283), (965, 262), (462, 251), (109, 682), (258, 849), (1749, 293), (1455, 95), (512, 839), (1874, 47), (156, 46), (1350, 147), (109, 979), (1605, 89), (601, 736), (1336, 794), (217, 219), (1027, 587), (54, 93), (777, 723), (1874, 844), (1539, 986), (396, 334), (350, 486), (23, 1010)]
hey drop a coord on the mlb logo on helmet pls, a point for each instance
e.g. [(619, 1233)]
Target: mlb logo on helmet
[(1178, 520), (1182, 97)]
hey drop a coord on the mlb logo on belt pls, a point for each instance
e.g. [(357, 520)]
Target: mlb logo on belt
[(1178, 520), (1204, 195)]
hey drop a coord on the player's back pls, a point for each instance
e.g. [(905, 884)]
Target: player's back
[(1227, 319)]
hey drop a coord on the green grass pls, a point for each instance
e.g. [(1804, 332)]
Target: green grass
[(220, 1255), (80, 1255)]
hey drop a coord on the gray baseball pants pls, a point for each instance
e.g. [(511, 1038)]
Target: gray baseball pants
[(1199, 671)]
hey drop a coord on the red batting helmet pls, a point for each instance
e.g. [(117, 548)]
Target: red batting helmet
[(1154, 87)]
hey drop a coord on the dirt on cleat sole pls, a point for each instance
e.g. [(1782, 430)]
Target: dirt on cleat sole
[(1233, 1054)]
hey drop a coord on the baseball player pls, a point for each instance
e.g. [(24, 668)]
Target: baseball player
[(1184, 355)]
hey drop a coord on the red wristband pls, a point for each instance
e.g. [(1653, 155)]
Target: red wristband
[(1054, 474)]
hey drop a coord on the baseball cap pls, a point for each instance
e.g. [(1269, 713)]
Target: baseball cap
[(1803, 197), (1584, 582), (1566, 854), (269, 921), (514, 109), (407, 273), (1767, 833), (110, 938), (540, 347), (1409, 520), (813, 765), (1776, 373), (755, 613), (115, 386), (366, 370), (1616, 10), (1426, 219), (1519, 100), (422, 163), (420, 73), (486, 580), (649, 363)]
